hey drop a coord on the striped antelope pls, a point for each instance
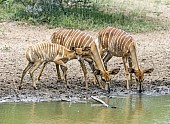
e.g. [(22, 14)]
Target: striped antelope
[(45, 52), (61, 34), (79, 39), (116, 42)]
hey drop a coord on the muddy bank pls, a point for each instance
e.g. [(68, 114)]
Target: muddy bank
[(153, 50)]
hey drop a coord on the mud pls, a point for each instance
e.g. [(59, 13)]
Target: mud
[(153, 50)]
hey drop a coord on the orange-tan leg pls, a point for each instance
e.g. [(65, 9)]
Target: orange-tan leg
[(33, 68), (64, 69), (58, 72), (106, 59), (130, 66), (43, 66), (96, 79), (82, 64), (126, 71), (24, 72)]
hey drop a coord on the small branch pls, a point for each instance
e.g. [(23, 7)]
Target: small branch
[(100, 101)]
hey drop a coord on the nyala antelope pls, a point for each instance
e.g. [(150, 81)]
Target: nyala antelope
[(71, 38), (44, 52), (116, 42)]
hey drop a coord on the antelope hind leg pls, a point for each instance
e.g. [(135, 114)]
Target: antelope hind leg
[(33, 68), (64, 69), (126, 71), (44, 64), (58, 73), (24, 72)]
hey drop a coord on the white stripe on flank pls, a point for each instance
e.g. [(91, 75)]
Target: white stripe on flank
[(83, 41), (111, 45), (116, 40), (130, 45), (49, 53), (103, 37), (72, 39), (49, 49), (109, 40), (125, 44), (80, 40), (76, 39), (124, 41), (93, 42), (56, 50), (87, 41), (67, 34), (122, 32), (119, 39)]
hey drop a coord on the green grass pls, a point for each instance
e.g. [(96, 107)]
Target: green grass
[(92, 18)]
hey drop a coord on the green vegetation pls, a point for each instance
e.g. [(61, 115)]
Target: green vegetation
[(83, 14)]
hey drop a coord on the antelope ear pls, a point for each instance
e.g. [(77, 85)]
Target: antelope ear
[(114, 71), (148, 70), (131, 70)]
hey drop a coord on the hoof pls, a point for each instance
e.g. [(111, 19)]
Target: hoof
[(140, 91), (35, 88), (108, 90), (19, 87)]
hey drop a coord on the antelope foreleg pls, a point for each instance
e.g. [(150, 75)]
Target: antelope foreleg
[(64, 69), (82, 64), (126, 71), (58, 71), (95, 78), (106, 59), (130, 66)]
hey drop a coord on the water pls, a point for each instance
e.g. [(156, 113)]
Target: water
[(130, 110)]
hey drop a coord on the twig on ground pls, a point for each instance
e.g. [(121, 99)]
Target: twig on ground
[(100, 101)]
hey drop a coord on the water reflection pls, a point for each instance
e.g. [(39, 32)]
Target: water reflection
[(132, 109)]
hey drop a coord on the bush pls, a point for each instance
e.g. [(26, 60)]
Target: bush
[(82, 14)]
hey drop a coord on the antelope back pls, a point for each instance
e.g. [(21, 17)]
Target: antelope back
[(45, 51), (115, 40), (72, 38), (59, 36)]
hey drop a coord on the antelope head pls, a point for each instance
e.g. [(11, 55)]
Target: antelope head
[(139, 75), (105, 76), (81, 51)]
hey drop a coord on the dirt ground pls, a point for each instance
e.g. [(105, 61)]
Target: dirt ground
[(153, 51)]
